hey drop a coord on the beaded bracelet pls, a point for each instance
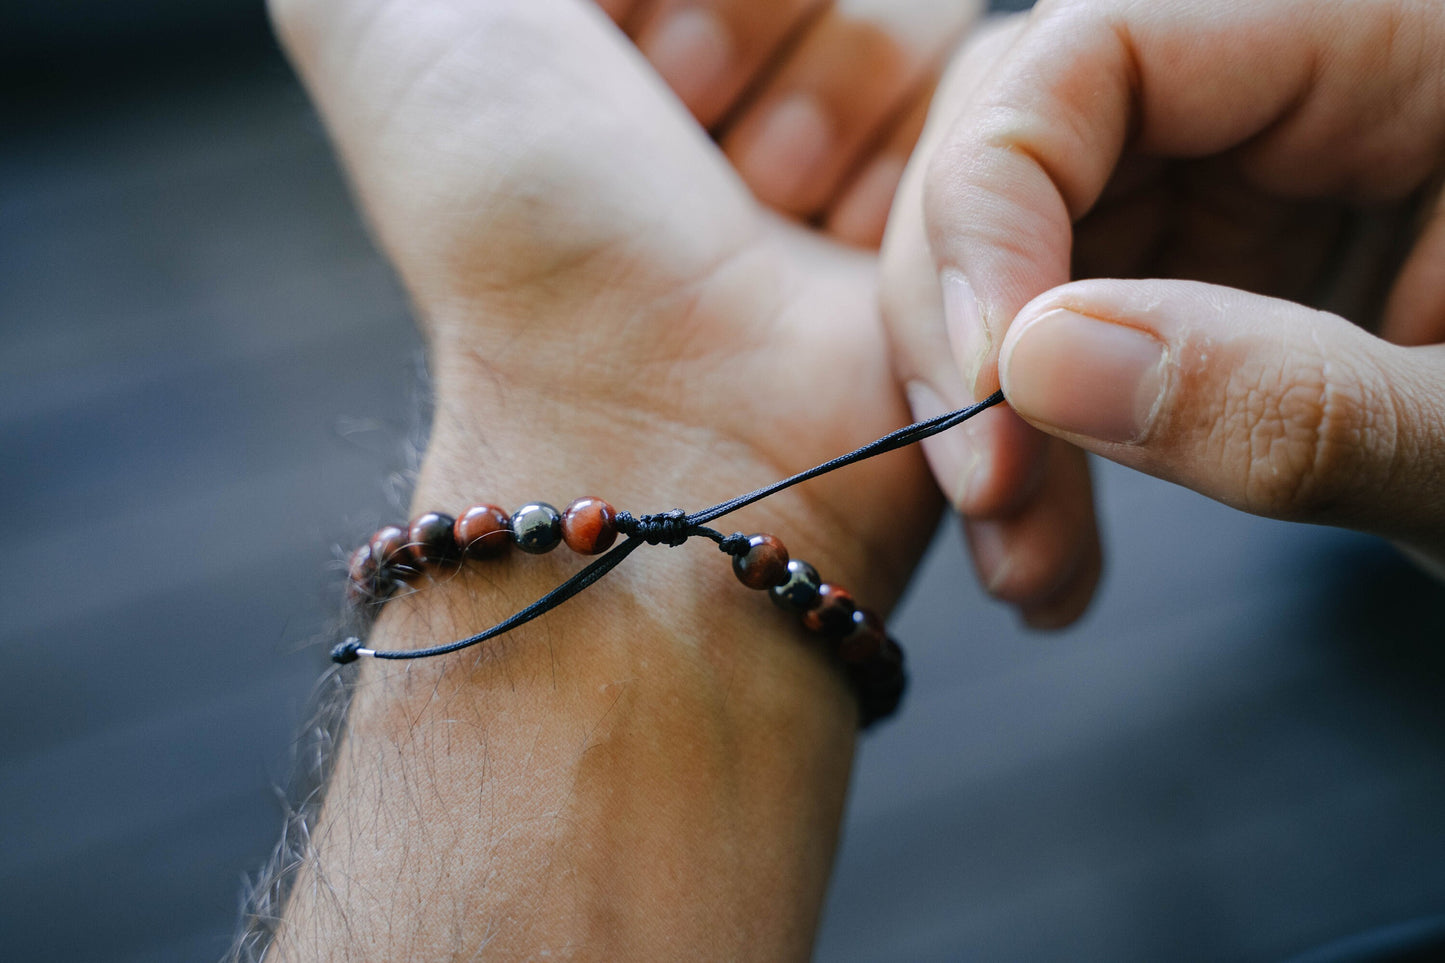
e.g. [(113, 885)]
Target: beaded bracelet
[(854, 636)]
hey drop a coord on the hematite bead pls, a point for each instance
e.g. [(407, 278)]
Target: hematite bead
[(389, 549), (865, 641), (765, 565), (432, 541), (589, 526), (800, 592), (483, 531), (537, 528), (833, 615)]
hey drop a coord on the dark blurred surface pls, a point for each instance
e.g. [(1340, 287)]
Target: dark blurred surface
[(207, 377)]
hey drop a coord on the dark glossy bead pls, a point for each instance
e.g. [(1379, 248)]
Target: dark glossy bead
[(589, 526), (880, 700), (800, 592), (765, 564), (362, 583), (884, 669), (432, 541), (537, 528), (833, 615), (866, 639), (389, 550), (879, 683), (483, 531)]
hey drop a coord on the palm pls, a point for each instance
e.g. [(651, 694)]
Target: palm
[(538, 186)]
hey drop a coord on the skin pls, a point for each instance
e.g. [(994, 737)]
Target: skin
[(1032, 530), (1271, 170), (1268, 170), (659, 765), (610, 311), (816, 103)]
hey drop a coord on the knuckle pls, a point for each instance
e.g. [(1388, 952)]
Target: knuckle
[(1295, 431)]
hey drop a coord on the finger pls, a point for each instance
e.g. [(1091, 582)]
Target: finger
[(992, 465), (860, 214), (1323, 100), (1265, 405), (1415, 312), (1045, 559), (618, 10), (711, 51), (851, 73), (1026, 502)]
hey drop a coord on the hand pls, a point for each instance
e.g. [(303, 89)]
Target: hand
[(1280, 150), (572, 241), (817, 103), (872, 67), (608, 312)]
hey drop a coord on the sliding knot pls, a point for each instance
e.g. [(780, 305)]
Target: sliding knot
[(665, 528), (735, 544)]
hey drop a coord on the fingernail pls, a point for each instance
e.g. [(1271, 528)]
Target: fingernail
[(957, 463), (990, 554), (791, 143), (1086, 376), (691, 50), (966, 332)]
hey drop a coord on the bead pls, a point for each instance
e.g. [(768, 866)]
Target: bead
[(362, 584), (389, 549), (880, 701), (432, 540), (476, 532), (764, 565), (884, 669), (589, 526), (866, 639), (537, 528), (833, 615), (800, 592), (879, 682)]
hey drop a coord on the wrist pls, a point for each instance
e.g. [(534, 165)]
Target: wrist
[(666, 732)]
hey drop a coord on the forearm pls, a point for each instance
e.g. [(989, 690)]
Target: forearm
[(656, 769)]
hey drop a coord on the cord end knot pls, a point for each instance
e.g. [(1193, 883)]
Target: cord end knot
[(736, 544), (346, 652)]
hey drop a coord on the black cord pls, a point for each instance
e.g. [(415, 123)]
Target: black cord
[(672, 529)]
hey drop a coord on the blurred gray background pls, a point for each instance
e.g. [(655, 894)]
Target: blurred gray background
[(207, 378)]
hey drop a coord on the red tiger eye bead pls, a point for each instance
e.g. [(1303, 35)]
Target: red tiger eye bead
[(764, 565), (389, 548), (483, 531), (362, 584), (432, 541), (884, 670), (833, 615), (865, 641), (589, 526)]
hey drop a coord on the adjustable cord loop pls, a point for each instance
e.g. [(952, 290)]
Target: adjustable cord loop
[(671, 528)]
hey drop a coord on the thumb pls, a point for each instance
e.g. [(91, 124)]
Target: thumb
[(1265, 405)]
